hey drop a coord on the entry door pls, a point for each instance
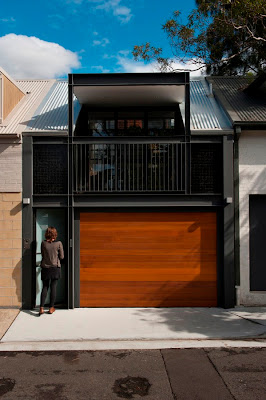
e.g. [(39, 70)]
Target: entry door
[(257, 224), (44, 218), (148, 259)]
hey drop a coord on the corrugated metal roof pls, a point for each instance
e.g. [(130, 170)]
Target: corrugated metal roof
[(19, 118), (240, 106), (52, 115), (205, 112), (53, 111)]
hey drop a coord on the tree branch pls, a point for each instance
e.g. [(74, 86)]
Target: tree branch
[(249, 31)]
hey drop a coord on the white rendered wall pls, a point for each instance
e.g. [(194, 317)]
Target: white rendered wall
[(252, 180)]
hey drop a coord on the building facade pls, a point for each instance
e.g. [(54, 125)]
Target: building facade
[(18, 100), (245, 104), (136, 173)]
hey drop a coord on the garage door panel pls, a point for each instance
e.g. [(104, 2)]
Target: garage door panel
[(116, 267), (148, 259), (145, 289), (146, 251), (130, 276), (159, 247), (142, 217), (151, 269), (159, 294)]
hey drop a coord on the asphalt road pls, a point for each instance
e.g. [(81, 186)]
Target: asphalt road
[(200, 374)]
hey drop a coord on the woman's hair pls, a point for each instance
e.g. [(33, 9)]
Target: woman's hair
[(51, 233)]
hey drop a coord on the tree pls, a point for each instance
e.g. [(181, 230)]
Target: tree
[(228, 37)]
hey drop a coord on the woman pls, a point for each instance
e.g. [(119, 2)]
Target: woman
[(52, 253)]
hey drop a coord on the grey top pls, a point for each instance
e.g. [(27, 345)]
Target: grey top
[(52, 253), (241, 104)]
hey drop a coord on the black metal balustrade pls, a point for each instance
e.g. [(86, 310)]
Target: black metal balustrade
[(130, 167)]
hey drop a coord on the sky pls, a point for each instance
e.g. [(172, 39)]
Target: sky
[(49, 39)]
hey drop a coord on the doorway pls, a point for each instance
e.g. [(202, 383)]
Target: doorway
[(51, 217)]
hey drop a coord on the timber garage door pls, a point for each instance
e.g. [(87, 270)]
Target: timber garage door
[(148, 259)]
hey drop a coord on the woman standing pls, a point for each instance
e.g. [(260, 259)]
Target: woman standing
[(52, 253)]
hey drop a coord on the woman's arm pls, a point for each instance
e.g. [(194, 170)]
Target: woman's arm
[(61, 251)]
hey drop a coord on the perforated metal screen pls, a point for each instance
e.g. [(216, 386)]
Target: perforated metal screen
[(50, 169), (206, 168)]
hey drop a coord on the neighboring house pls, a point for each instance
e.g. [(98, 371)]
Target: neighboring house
[(245, 105), (136, 173), (18, 100)]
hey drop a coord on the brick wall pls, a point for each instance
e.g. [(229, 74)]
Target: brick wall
[(252, 180), (10, 249), (10, 166)]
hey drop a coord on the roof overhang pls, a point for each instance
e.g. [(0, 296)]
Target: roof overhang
[(130, 89), (133, 95)]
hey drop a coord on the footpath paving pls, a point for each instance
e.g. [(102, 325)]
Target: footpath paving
[(136, 328)]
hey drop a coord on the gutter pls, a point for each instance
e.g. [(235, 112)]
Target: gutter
[(218, 132), (250, 124), (7, 135), (45, 133)]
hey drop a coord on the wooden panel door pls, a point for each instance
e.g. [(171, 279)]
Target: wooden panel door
[(148, 259)]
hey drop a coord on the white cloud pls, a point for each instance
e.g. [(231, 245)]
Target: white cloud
[(120, 11), (124, 52), (195, 68), (123, 13), (56, 20), (8, 19), (101, 69), (101, 42), (75, 1), (129, 65), (30, 57)]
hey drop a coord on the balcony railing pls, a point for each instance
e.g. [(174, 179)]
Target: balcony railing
[(130, 167)]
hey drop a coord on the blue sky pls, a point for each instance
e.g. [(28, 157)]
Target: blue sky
[(40, 39)]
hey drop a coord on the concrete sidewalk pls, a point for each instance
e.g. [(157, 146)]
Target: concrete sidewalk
[(136, 328)]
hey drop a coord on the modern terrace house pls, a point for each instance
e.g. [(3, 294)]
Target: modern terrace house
[(136, 173), (245, 105)]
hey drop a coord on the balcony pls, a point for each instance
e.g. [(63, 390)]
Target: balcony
[(129, 167)]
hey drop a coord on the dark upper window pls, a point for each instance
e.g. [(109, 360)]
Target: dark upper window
[(129, 123), (100, 123), (161, 122)]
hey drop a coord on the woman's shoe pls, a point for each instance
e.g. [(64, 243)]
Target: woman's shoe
[(51, 310), (41, 311)]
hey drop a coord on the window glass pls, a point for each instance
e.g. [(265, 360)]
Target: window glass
[(130, 122), (160, 121), (101, 123)]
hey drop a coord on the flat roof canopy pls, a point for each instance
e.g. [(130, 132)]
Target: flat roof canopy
[(130, 95)]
